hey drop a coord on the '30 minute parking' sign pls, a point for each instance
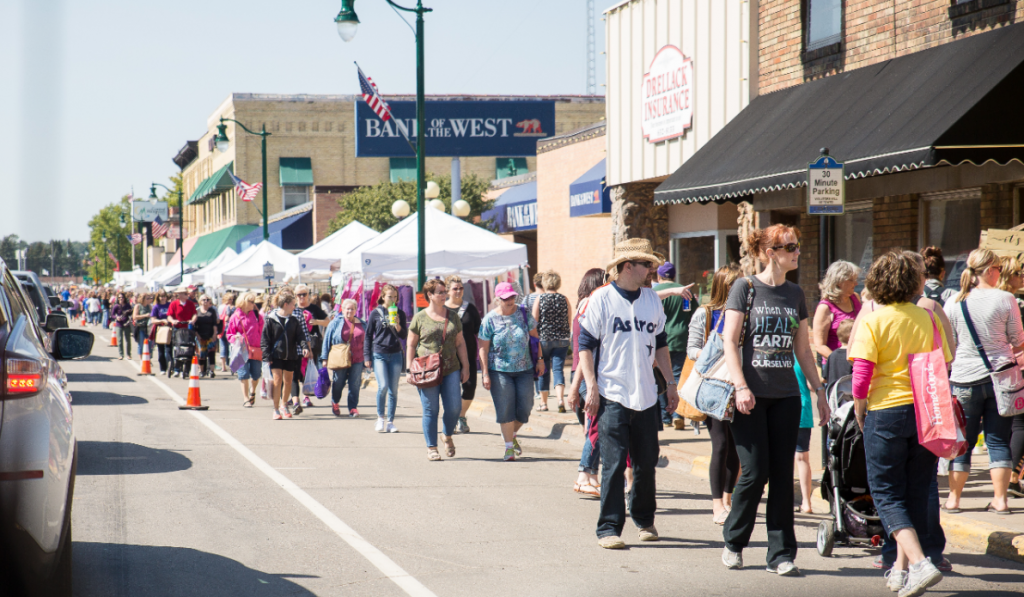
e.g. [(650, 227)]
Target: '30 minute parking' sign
[(826, 189)]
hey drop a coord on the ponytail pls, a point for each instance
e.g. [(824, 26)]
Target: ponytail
[(978, 261)]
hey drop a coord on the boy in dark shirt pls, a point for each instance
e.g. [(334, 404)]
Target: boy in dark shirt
[(837, 365)]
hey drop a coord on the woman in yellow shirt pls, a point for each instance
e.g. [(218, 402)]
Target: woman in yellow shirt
[(900, 470)]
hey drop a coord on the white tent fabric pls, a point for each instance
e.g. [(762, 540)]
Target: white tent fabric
[(453, 246), (128, 280), (198, 277), (246, 270), (315, 262)]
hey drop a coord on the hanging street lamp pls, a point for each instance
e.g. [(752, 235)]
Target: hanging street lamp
[(223, 143)]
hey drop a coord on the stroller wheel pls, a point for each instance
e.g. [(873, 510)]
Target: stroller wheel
[(826, 538)]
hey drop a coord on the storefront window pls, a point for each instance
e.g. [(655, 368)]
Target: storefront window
[(695, 263), (854, 238), (953, 225), (403, 169), (295, 195)]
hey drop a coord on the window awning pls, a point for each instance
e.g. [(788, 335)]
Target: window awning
[(952, 104), (296, 171), (294, 233), (216, 184), (211, 245), (588, 194), (515, 210)]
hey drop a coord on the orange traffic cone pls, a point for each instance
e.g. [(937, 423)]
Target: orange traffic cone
[(194, 401), (147, 366), (83, 320), (113, 338)]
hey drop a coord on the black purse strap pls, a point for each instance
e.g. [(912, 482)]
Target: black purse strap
[(746, 312), (974, 335)]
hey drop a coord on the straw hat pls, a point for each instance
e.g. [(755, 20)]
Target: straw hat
[(633, 249)]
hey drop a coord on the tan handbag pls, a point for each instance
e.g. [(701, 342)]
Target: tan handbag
[(685, 409), (425, 372), (340, 356), (163, 334)]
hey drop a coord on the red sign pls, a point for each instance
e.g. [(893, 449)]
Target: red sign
[(665, 96)]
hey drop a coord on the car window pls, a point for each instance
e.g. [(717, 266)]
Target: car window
[(19, 304), (35, 295)]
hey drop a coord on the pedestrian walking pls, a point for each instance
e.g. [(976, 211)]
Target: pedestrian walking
[(435, 331), (94, 308), (346, 331), (121, 316), (179, 315), (587, 480), (157, 320), (307, 309), (224, 313), (207, 326), (935, 272), (802, 457), (468, 314), (246, 323), (551, 312), (283, 345), (622, 335), (839, 302), (679, 312), (505, 347), (900, 470), (105, 308), (996, 321), (724, 467), (385, 330), (140, 319), (770, 314), (1012, 280)]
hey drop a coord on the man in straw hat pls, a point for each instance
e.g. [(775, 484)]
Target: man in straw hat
[(622, 333)]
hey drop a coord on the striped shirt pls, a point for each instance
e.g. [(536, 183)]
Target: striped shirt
[(997, 320)]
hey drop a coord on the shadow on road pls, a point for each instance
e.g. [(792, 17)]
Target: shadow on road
[(110, 569), (97, 378), (121, 458), (105, 399)]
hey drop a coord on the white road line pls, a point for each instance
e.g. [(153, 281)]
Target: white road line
[(376, 557)]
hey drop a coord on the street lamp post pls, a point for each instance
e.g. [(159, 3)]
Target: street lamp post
[(222, 142), (122, 224), (181, 225), (104, 240), (347, 22)]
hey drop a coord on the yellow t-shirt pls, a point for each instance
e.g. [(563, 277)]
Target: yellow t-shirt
[(887, 337)]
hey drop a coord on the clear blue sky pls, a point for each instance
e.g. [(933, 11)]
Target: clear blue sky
[(100, 95)]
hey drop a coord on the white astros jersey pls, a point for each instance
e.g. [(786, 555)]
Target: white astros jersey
[(627, 331)]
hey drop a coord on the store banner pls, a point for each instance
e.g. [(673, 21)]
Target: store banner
[(588, 194), (457, 128), (665, 96)]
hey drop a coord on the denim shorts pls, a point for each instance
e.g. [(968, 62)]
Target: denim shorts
[(803, 440), (982, 414), (252, 369), (512, 394)]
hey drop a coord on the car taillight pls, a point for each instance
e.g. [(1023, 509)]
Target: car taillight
[(24, 377)]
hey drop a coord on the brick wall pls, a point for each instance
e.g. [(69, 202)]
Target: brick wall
[(326, 205), (996, 206), (872, 32)]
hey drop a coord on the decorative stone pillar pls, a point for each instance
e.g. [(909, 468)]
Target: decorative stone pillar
[(744, 225), (634, 215)]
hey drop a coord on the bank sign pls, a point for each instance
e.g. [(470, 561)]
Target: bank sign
[(455, 128), (666, 108)]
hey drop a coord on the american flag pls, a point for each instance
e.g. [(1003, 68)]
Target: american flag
[(117, 264), (159, 228), (245, 190), (373, 99), (135, 238)]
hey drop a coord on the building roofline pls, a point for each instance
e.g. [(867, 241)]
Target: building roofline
[(454, 97), (591, 131)]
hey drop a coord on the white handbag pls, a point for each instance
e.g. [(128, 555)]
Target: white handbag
[(1008, 382)]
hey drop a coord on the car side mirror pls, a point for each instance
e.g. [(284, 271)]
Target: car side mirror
[(56, 321), (69, 344), (54, 301)]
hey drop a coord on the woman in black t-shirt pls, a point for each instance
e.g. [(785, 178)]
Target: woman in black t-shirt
[(470, 317), (207, 326), (767, 418), (551, 310)]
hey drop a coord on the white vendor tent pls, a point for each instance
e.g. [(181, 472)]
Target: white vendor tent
[(246, 270), (198, 277), (315, 262), (453, 246), (129, 280)]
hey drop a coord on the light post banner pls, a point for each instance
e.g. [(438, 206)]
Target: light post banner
[(826, 187), (147, 211)]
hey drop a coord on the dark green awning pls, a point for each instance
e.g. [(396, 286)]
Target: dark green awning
[(296, 171), (209, 246), (214, 185)]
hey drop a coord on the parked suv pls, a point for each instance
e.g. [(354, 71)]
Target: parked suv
[(38, 453)]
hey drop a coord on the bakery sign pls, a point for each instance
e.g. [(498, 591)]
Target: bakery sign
[(665, 96)]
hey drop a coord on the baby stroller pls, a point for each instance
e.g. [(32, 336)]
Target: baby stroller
[(845, 482), (183, 348)]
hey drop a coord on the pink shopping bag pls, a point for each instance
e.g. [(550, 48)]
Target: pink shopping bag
[(941, 426)]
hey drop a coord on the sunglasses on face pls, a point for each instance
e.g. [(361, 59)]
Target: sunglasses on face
[(788, 247), (643, 264), (302, 294)]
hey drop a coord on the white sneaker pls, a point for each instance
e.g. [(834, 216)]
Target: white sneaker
[(732, 560), (785, 568), (895, 579), (379, 427), (918, 581), (391, 428)]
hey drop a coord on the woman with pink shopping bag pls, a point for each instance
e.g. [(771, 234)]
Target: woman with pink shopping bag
[(900, 469)]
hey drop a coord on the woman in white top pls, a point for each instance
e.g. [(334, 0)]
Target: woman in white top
[(997, 320)]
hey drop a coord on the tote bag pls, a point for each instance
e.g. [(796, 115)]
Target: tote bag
[(309, 382), (340, 356), (941, 427), (685, 408), (238, 354), (1007, 381)]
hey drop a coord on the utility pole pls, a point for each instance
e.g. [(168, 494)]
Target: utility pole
[(591, 50)]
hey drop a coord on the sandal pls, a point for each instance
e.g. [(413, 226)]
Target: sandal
[(992, 509), (587, 489), (433, 454), (542, 408), (719, 519), (252, 400), (450, 445)]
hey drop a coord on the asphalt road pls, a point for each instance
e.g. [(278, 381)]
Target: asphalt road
[(231, 503)]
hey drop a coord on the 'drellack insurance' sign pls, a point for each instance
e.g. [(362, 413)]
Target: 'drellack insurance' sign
[(455, 128)]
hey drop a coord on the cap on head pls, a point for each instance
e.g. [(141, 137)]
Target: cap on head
[(505, 290)]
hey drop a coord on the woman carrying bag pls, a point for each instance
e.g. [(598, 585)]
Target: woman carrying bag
[(160, 327), (245, 327), (343, 353), (437, 365), (382, 352)]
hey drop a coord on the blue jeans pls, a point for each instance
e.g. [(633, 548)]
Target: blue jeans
[(450, 396), (353, 376), (141, 335), (591, 458), (934, 543), (979, 402), (225, 348), (554, 364), (387, 368), (252, 369), (512, 394), (900, 470), (106, 319), (623, 433), (678, 360)]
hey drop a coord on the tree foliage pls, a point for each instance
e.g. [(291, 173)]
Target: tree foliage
[(54, 258), (171, 197), (372, 205), (107, 224)]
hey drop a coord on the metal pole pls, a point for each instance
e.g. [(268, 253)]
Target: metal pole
[(456, 181), (181, 235), (421, 150), (822, 246), (263, 191)]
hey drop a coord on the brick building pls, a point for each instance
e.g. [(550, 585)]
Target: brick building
[(311, 160), (919, 100)]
